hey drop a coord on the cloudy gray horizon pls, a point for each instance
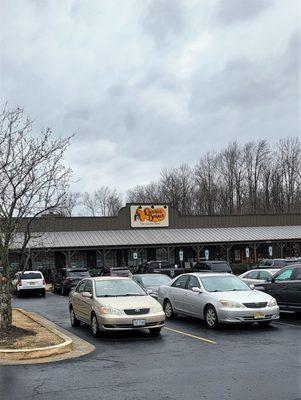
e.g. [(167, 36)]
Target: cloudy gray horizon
[(151, 84)]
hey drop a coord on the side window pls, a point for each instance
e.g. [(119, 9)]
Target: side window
[(192, 282), (252, 275), (297, 274), (284, 275), (268, 263), (180, 282), (88, 287), (264, 275), (81, 287)]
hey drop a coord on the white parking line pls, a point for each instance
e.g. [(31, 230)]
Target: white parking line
[(192, 336)]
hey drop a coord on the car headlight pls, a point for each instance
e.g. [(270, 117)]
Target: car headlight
[(272, 302), (157, 308), (231, 304), (110, 311)]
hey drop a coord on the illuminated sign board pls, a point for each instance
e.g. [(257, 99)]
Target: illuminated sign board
[(149, 216)]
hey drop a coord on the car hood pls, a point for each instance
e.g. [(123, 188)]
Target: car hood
[(127, 302), (248, 296)]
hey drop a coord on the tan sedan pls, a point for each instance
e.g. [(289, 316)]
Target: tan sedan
[(114, 304)]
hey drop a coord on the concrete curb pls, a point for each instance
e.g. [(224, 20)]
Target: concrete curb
[(78, 348), (38, 352)]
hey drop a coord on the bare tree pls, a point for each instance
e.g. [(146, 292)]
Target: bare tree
[(33, 181), (70, 202), (104, 201)]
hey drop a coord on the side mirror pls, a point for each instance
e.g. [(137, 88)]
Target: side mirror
[(149, 291), (87, 295), (252, 287), (196, 289)]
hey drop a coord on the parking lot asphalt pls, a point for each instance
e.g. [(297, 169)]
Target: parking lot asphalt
[(188, 361)]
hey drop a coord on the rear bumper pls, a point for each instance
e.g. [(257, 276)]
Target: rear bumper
[(238, 316), (31, 290), (125, 323)]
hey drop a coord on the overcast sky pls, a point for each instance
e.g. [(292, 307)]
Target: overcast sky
[(151, 84)]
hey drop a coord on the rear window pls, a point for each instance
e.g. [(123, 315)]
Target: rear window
[(79, 274), (31, 275), (220, 267)]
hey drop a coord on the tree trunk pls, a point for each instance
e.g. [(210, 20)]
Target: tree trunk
[(5, 304)]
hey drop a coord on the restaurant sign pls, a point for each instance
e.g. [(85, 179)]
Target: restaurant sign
[(147, 216)]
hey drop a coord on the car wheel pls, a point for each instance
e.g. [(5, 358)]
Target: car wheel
[(94, 326), (211, 317), (63, 291), (264, 323), (74, 321), (170, 314), (43, 293), (19, 294), (155, 331)]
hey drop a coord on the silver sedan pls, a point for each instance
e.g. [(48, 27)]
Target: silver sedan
[(217, 298)]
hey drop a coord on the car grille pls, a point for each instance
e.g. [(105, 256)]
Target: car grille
[(131, 325), (256, 305), (137, 311)]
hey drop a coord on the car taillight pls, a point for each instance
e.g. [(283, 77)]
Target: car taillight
[(44, 283), (68, 280), (19, 283)]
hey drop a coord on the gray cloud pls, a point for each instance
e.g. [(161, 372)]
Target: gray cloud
[(91, 68), (233, 11)]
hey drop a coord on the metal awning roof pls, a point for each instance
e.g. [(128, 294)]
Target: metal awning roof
[(149, 237)]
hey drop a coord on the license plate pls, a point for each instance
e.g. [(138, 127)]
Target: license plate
[(138, 322), (259, 315), (32, 283)]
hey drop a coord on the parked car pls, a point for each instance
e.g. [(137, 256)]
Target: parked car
[(29, 282), (117, 271), (67, 278), (213, 266), (285, 286), (276, 262), (152, 282), (257, 276), (160, 267), (114, 304), (217, 298)]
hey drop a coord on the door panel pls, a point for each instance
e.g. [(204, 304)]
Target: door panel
[(176, 292)]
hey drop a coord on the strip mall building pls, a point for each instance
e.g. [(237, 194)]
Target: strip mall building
[(157, 232)]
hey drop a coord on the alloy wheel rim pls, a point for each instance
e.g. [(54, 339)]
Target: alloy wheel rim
[(168, 310), (211, 318), (72, 317), (94, 325)]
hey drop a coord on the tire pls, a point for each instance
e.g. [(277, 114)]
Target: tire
[(155, 331), (43, 293), (94, 326), (19, 294), (169, 312), (210, 317), (73, 320), (63, 291), (264, 323)]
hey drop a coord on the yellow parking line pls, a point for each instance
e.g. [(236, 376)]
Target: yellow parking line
[(192, 336)]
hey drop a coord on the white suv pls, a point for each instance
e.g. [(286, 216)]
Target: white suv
[(30, 282)]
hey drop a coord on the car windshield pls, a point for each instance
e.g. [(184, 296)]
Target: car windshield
[(118, 288), (223, 284), (79, 274), (31, 275), (155, 280)]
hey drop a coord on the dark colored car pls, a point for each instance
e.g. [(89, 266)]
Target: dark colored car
[(160, 267), (117, 271), (285, 287), (67, 278), (212, 266), (276, 262), (152, 282)]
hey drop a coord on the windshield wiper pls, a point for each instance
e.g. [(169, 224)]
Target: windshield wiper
[(133, 294)]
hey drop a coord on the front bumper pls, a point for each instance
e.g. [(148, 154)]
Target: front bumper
[(245, 315), (125, 323)]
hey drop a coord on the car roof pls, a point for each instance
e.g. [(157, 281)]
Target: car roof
[(151, 275), (106, 278), (262, 269), (203, 274), (30, 272)]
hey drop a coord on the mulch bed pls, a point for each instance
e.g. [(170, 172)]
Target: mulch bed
[(25, 333), (8, 337)]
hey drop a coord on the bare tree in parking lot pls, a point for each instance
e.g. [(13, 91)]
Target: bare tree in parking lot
[(33, 182), (70, 202)]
